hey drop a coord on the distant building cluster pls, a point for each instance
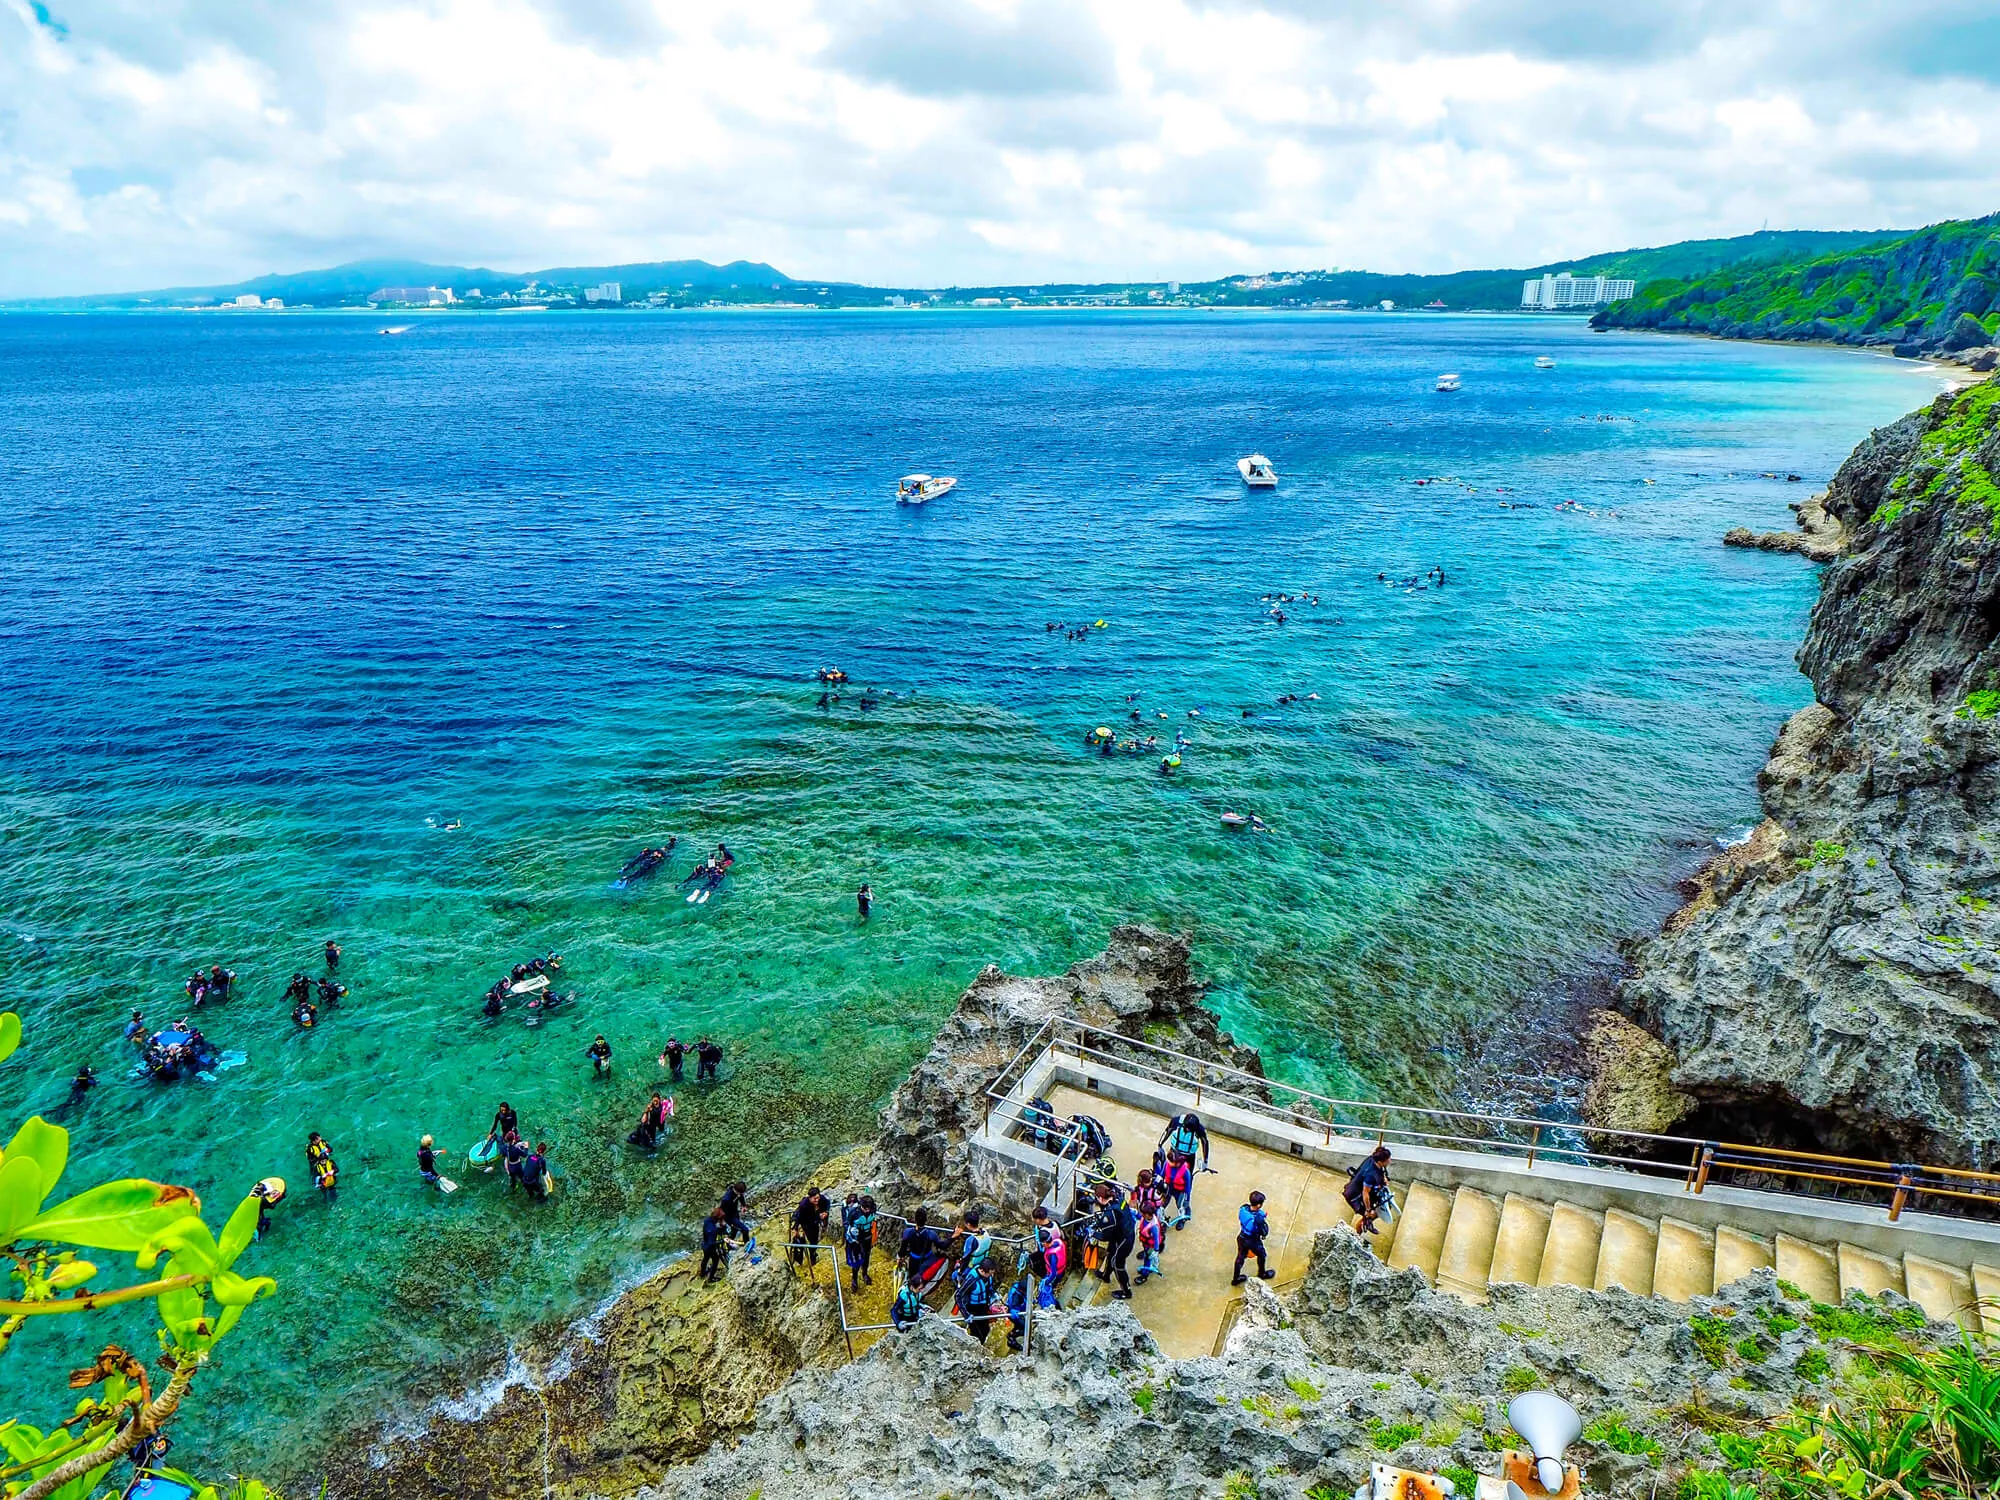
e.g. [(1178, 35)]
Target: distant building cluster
[(1565, 290), (604, 291), (413, 296)]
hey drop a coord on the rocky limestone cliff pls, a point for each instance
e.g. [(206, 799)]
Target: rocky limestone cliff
[(1362, 1365), (1834, 979), (1141, 987)]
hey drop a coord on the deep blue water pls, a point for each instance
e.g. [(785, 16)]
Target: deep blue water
[(277, 590)]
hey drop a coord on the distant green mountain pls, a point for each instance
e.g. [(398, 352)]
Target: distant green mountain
[(352, 282), (1938, 288)]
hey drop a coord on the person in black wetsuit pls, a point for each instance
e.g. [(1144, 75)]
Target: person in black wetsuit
[(864, 899), (714, 1244), (83, 1083), (298, 988), (1366, 1188), (535, 1172), (330, 992), (707, 1057), (809, 1220), (1116, 1227), (673, 1055), (427, 1163), (734, 1199), (332, 956), (496, 1000), (920, 1245), (599, 1053), (505, 1121)]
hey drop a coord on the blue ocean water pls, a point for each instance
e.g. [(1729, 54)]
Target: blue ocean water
[(282, 596)]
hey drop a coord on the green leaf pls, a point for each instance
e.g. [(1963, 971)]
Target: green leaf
[(193, 1247), (46, 1144), (20, 1196), (232, 1290), (127, 1215), (10, 1034), (238, 1232)]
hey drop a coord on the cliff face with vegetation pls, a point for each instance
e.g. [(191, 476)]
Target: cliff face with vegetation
[(1937, 289), (1840, 972)]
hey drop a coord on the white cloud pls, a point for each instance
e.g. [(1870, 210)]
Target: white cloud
[(934, 141)]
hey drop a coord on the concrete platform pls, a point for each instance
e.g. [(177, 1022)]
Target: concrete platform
[(1183, 1309)]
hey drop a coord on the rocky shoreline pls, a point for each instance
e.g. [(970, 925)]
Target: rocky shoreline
[(679, 1389), (1832, 981), (670, 1366)]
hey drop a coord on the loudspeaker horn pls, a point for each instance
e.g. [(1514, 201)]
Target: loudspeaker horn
[(1550, 1424)]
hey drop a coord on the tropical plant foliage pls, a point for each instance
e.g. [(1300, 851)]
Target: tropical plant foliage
[(188, 1274), (1914, 1425)]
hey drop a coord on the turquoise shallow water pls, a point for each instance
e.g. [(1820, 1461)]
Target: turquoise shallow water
[(278, 594)]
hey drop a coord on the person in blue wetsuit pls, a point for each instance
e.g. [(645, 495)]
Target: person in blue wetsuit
[(1252, 1227)]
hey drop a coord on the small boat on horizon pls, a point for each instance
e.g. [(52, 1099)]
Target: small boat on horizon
[(1543, 362), (1448, 381), (918, 489), (1257, 472)]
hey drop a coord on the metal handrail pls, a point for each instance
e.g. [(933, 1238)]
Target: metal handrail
[(1064, 1035)]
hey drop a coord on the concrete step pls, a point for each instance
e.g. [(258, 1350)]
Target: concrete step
[(1864, 1271), (1811, 1268), (1986, 1292), (1738, 1253), (1569, 1258), (1517, 1247), (1626, 1253), (1384, 1237), (1684, 1265), (1943, 1292), (1420, 1236), (1468, 1244)]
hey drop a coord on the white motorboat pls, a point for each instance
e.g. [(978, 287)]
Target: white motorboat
[(1448, 381), (1543, 362), (915, 489), (1257, 472)]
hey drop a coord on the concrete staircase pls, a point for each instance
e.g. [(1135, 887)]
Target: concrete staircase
[(1465, 1240)]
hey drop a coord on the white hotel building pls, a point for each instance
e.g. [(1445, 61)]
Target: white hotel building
[(1565, 290)]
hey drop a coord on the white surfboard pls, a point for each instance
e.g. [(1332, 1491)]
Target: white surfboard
[(529, 986)]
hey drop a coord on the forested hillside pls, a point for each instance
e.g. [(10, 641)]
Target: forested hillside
[(1937, 289)]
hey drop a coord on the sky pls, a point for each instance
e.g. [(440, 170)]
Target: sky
[(148, 143)]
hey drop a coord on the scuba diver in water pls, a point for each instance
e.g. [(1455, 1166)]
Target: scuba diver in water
[(599, 1053), (332, 955), (496, 999), (298, 988), (865, 899), (330, 993), (83, 1083)]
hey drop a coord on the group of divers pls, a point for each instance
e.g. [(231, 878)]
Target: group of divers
[(1110, 1229), (706, 877)]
